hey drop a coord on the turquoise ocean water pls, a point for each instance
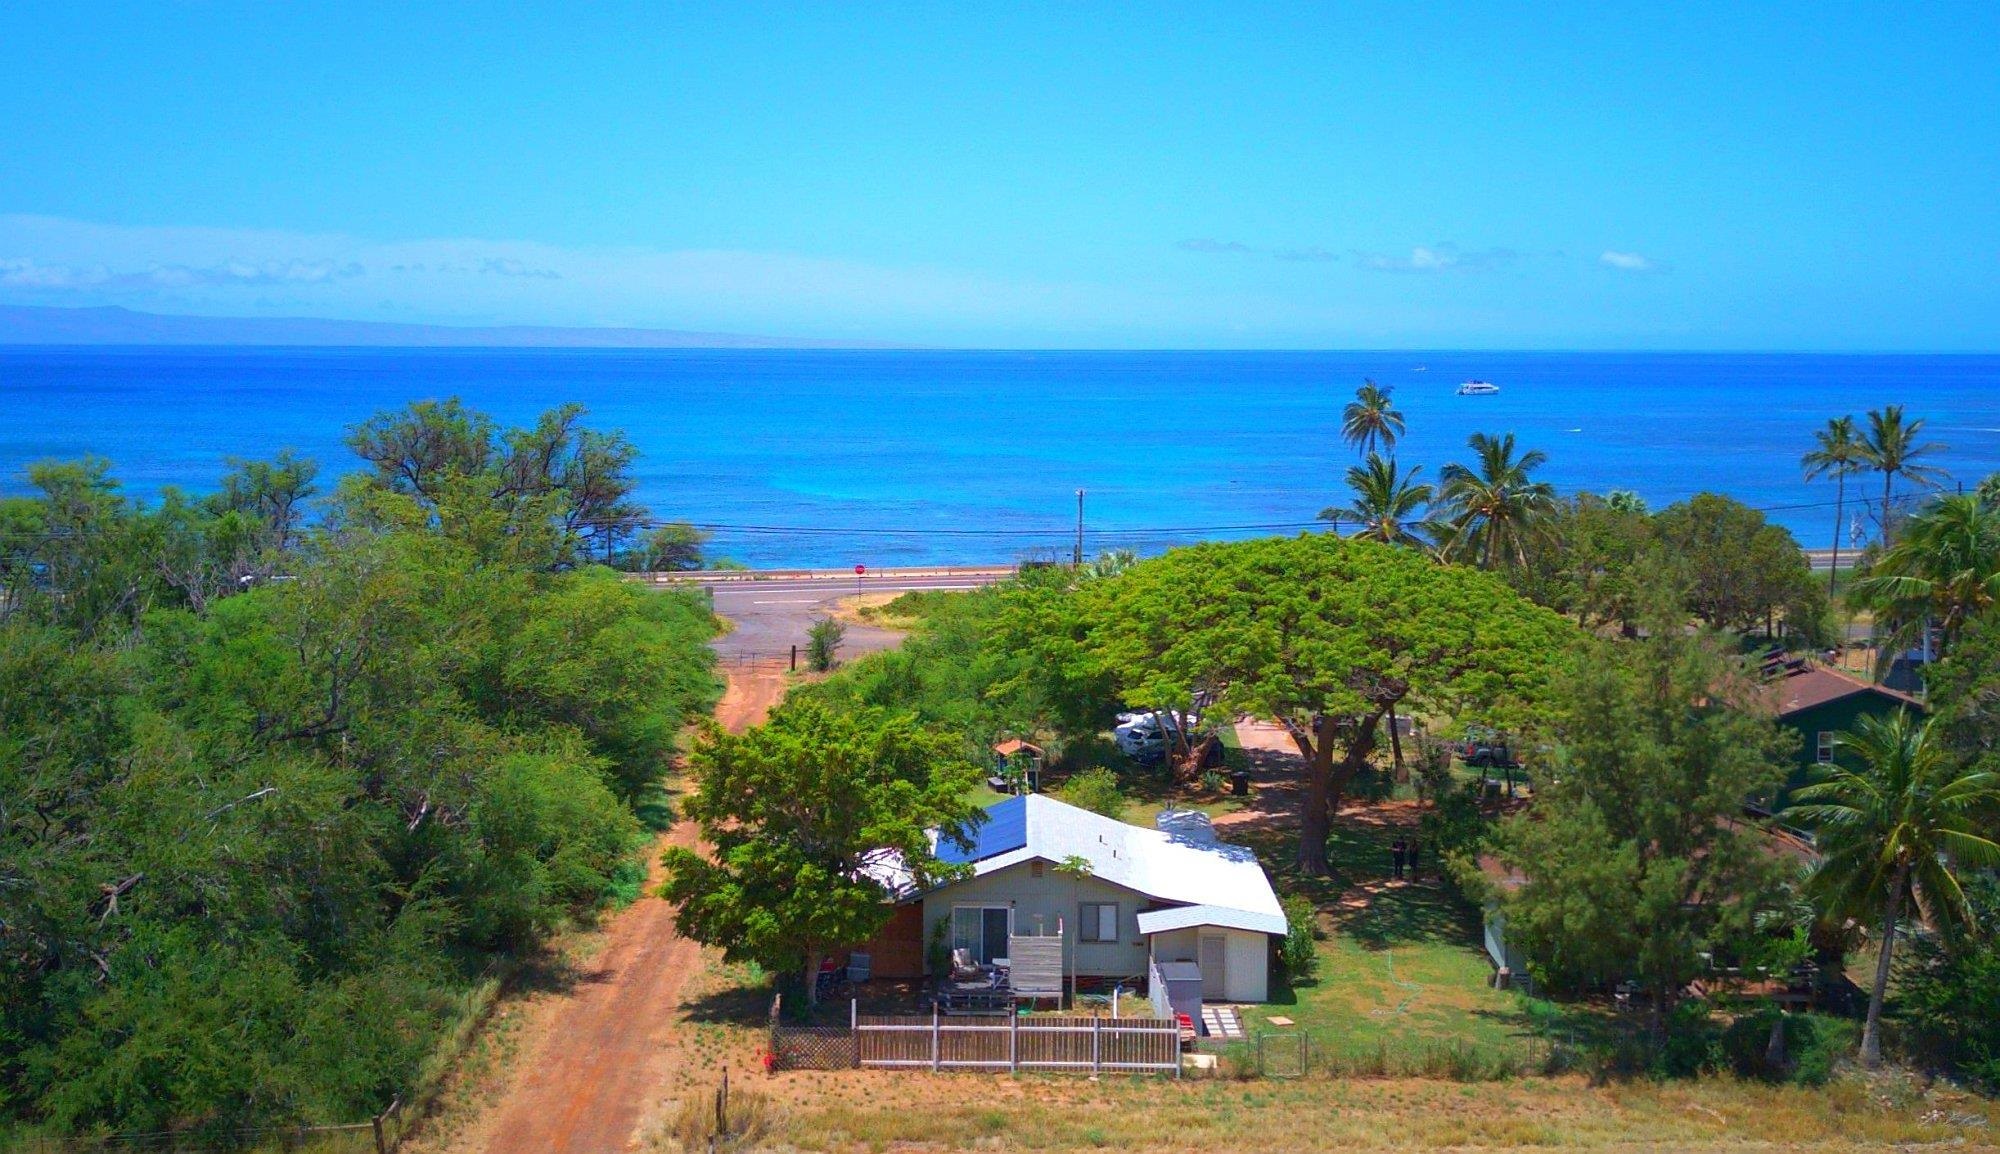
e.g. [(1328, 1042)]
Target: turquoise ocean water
[(900, 457)]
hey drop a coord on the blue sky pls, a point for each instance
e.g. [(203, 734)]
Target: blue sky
[(1588, 176)]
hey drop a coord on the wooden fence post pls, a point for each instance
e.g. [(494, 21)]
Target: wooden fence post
[(1014, 1042), (722, 1105), (854, 1027), (935, 1036), (1096, 1031), (381, 1146)]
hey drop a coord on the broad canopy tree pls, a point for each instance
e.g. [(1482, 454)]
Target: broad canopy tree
[(799, 810), (1739, 570), (1329, 637)]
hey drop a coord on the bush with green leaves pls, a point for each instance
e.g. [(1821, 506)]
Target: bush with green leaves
[(823, 644), (1299, 955), (1097, 790)]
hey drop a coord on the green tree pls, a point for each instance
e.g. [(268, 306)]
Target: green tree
[(1943, 572), (800, 810), (670, 548), (547, 496), (1897, 818), (1633, 863), (1388, 503), (1946, 989), (1838, 452), (1740, 571), (1328, 637), (823, 644), (1626, 501), (1371, 419), (273, 494), (1890, 447), (254, 848), (1492, 511)]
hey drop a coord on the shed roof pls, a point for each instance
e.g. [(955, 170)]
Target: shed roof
[(1182, 917)]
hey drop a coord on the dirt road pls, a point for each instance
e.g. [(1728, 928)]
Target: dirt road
[(594, 1055)]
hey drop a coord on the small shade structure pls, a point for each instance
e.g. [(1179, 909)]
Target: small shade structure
[(1011, 752)]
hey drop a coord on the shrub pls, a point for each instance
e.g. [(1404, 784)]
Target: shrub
[(1815, 1045), (823, 643), (752, 1116), (1097, 791), (1299, 955)]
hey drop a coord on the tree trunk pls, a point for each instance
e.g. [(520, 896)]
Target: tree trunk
[(1888, 479), (812, 976), (1871, 1034), (1774, 1048), (1359, 746), (1839, 511), (1396, 743), (1314, 816)]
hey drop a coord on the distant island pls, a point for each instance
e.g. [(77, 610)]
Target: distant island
[(39, 325)]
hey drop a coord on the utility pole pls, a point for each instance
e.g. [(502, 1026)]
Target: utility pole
[(1076, 559)]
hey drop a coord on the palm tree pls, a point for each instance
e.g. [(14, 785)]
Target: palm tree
[(1944, 569), (1892, 832), (1626, 501), (1387, 502), (1839, 453), (1369, 418), (1493, 512), (1891, 449)]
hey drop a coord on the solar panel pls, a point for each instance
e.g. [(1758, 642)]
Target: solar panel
[(1002, 828)]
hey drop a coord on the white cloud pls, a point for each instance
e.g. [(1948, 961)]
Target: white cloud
[(244, 272), (1446, 257), (1629, 261), (1209, 244)]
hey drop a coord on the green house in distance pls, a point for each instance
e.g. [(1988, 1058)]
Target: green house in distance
[(1816, 702)]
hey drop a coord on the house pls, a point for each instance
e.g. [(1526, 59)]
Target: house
[(1132, 897), (1817, 702)]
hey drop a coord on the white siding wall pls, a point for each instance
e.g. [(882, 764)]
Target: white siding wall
[(1051, 896), (1247, 960)]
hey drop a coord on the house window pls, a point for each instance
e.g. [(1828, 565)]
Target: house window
[(1098, 922), (1824, 753), (981, 931)]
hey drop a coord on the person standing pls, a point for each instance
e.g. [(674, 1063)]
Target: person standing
[(1398, 854), (1415, 848)]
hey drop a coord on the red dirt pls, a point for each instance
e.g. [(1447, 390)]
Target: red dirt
[(594, 1057)]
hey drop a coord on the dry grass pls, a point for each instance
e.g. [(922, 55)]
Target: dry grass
[(871, 1110), (693, 1124), (872, 609), (875, 1111)]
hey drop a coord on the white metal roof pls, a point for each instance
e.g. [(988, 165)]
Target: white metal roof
[(1181, 917), (1185, 864)]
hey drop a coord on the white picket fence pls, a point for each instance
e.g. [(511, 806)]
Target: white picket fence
[(1014, 1043)]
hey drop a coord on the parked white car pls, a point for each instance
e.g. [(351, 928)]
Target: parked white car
[(1144, 736)]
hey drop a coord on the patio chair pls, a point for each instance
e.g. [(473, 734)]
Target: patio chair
[(965, 967)]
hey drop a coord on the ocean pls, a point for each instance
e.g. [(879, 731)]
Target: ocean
[(838, 458)]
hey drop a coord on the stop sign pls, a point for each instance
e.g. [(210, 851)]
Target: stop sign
[(860, 569)]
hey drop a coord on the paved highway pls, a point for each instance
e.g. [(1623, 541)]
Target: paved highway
[(772, 614)]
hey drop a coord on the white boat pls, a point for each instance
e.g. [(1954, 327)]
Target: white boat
[(1478, 389)]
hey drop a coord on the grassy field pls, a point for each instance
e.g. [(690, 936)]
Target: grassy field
[(876, 1111)]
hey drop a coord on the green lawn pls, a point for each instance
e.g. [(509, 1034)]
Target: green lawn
[(1402, 967)]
